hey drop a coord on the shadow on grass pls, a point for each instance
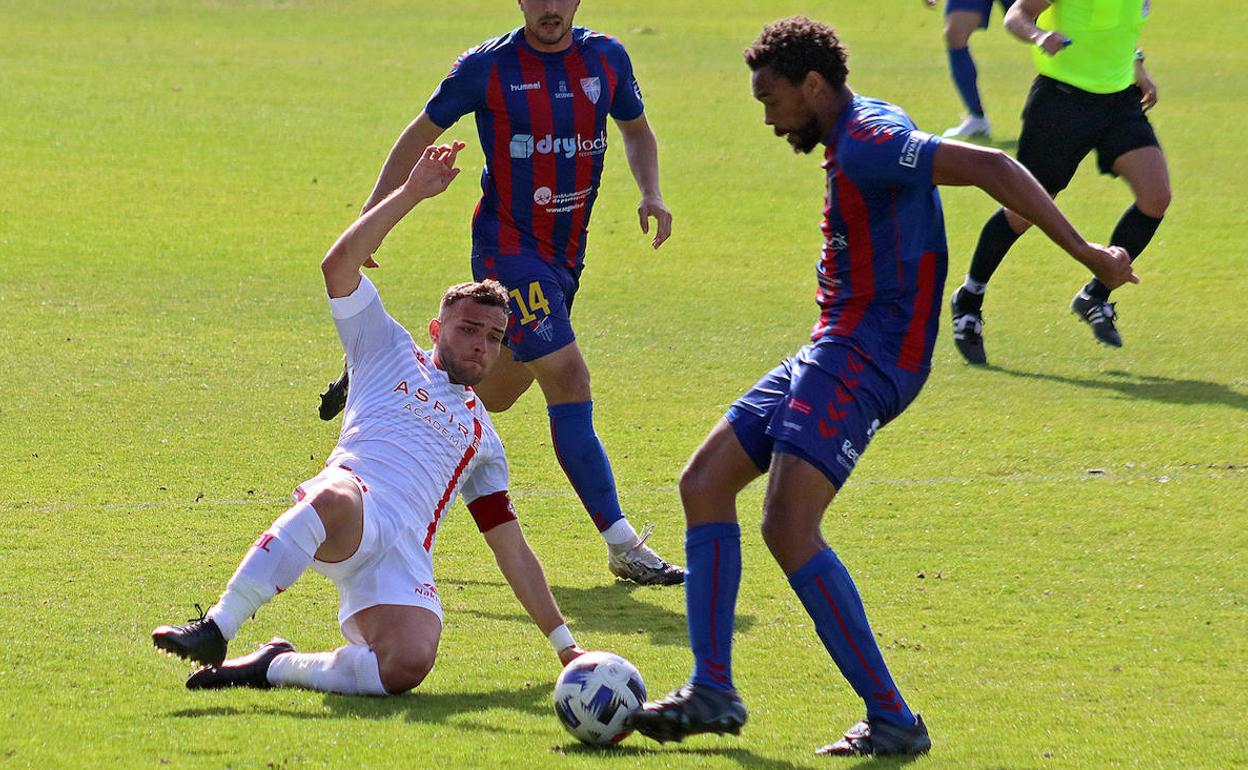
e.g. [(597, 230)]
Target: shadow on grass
[(610, 609), (431, 707), (743, 757), (1167, 390)]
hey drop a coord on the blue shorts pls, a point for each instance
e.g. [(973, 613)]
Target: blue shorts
[(824, 405), (541, 302), (982, 7)]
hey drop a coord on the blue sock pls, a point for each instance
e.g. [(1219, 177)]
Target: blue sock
[(965, 77), (831, 599), (584, 461), (712, 575)]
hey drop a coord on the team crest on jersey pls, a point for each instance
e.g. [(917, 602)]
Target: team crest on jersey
[(592, 88)]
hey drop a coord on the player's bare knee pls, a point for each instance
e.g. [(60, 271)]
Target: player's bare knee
[(404, 670), (338, 503), (1154, 202)]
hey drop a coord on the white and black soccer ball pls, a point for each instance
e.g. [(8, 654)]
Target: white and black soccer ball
[(594, 695)]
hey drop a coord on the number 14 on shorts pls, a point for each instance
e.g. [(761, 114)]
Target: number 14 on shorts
[(536, 302)]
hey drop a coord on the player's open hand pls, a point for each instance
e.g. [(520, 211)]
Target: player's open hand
[(1112, 266), (655, 207), (434, 171)]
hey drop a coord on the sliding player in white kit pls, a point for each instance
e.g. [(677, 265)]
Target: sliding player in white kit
[(414, 437)]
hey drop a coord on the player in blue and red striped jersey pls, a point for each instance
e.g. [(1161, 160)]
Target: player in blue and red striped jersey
[(541, 95), (807, 422)]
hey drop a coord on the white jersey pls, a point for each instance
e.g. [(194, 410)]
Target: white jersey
[(407, 427)]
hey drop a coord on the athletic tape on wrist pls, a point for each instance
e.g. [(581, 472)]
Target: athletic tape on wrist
[(561, 638)]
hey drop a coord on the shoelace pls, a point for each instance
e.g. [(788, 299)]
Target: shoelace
[(645, 555), (202, 615)]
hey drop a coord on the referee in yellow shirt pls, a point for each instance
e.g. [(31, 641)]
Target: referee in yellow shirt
[(1091, 94)]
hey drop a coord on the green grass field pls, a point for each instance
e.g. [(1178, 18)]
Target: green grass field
[(1052, 551)]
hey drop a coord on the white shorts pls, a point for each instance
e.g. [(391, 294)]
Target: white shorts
[(391, 566)]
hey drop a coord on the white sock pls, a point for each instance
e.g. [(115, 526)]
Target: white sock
[(272, 564), (973, 286), (620, 534), (350, 670)]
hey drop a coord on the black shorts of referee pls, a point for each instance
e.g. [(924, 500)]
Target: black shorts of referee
[(1062, 124)]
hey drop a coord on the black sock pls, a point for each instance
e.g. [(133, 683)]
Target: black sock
[(994, 241), (1133, 232)]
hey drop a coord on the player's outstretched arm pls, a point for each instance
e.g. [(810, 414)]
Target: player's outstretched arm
[(1013, 186), (430, 176), (642, 149), (524, 573)]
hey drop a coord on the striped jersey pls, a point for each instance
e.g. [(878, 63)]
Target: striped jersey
[(882, 266), (542, 122), (406, 424)]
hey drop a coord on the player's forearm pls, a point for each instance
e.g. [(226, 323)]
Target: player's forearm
[(524, 573), (342, 264), (1014, 187), (1022, 24), (642, 149)]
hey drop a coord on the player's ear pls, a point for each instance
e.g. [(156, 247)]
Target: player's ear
[(435, 329), (813, 84)]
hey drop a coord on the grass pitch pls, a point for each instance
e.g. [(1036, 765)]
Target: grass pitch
[(1052, 550)]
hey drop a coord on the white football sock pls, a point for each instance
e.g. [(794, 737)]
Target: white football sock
[(619, 535), (272, 564), (350, 670)]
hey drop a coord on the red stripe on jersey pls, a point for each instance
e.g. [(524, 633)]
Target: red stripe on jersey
[(585, 117), (450, 485), (914, 345), (612, 78), (500, 169), (861, 255), (541, 122)]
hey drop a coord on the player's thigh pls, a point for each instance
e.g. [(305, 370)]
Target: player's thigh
[(1057, 134), (506, 381), (1129, 149), (961, 21), (338, 499), (562, 375), (718, 470)]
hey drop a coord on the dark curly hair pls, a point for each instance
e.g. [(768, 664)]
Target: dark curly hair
[(488, 292), (794, 46)]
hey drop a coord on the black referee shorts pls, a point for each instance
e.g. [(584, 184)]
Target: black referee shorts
[(1062, 124)]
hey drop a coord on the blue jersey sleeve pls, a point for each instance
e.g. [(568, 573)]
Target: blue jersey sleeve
[(463, 89), (888, 153), (626, 102)]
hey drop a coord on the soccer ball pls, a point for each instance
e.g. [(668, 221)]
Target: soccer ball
[(595, 693)]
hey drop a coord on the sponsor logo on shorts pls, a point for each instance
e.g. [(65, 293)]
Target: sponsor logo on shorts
[(910, 153), (428, 591)]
